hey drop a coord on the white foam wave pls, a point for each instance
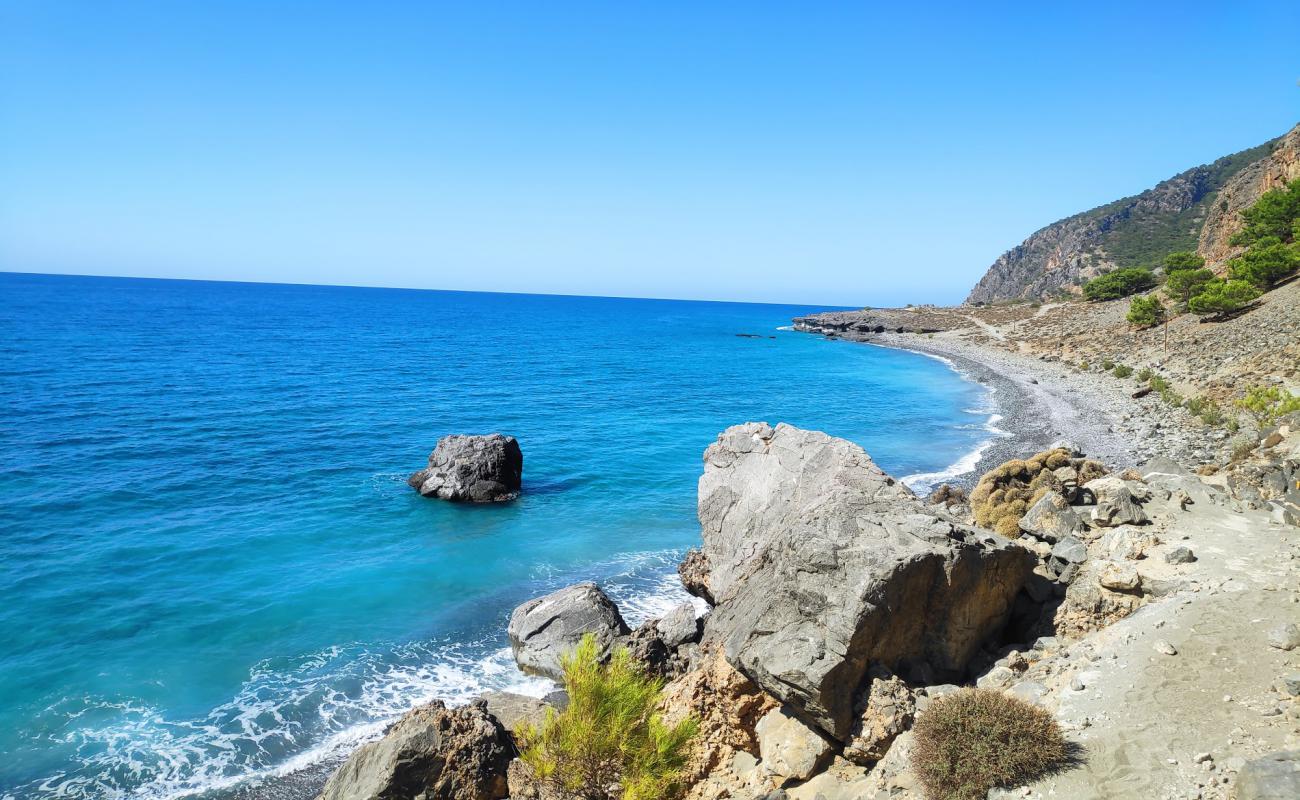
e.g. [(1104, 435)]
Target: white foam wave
[(291, 714)]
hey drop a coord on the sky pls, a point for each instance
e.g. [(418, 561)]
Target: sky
[(822, 153)]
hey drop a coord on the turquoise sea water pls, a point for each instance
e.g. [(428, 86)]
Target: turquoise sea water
[(211, 567)]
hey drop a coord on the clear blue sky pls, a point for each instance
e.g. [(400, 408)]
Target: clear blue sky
[(838, 153)]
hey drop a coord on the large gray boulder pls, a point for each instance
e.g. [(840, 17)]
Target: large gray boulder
[(474, 469), (822, 565), (1116, 504), (1275, 776), (545, 628), (433, 751), (1051, 519)]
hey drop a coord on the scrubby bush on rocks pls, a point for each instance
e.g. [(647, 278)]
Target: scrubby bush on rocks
[(1267, 403), (1220, 298), (1122, 370), (973, 740), (1145, 312), (1006, 492), (608, 743), (1120, 283)]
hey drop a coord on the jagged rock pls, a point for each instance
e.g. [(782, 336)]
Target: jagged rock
[(1115, 503), (513, 710), (727, 706), (1276, 776), (1180, 555), (680, 625), (1128, 544), (545, 628), (1066, 557), (1119, 578), (1051, 518), (647, 646), (1285, 636), (1087, 607), (476, 469), (883, 712), (822, 565), (788, 748), (694, 572), (433, 751)]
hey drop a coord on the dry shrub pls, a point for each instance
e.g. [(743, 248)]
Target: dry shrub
[(1005, 493), (973, 740)]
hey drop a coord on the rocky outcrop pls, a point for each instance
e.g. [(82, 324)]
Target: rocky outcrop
[(1276, 776), (1059, 258), (433, 751), (822, 566), (544, 629), (474, 469), (1274, 171)]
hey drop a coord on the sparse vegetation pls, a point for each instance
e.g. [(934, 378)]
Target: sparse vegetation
[(1184, 284), (1144, 374), (1122, 370), (1146, 312), (1206, 410), (608, 743), (974, 740), (1220, 298), (1006, 492), (1119, 283), (1267, 403)]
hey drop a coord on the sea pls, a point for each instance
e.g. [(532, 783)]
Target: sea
[(212, 571)]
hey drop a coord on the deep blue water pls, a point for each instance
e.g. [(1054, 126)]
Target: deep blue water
[(210, 564)]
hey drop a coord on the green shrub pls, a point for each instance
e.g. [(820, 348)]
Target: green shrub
[(1107, 365), (1006, 492), (1120, 283), (1158, 383), (1084, 365), (1206, 410), (1274, 214), (1171, 397), (1185, 284), (1145, 374), (608, 742), (973, 740), (1183, 260), (1146, 312), (1265, 263), (1267, 403), (1220, 297), (1122, 370)]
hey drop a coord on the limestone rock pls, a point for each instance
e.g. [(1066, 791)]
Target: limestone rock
[(545, 628), (788, 748), (884, 711), (1116, 504), (433, 751), (513, 710), (1119, 578), (476, 469), (1051, 518), (694, 572), (1285, 636), (680, 625), (823, 565), (1276, 776)]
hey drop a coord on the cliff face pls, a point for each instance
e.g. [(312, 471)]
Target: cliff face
[(1196, 209), (1274, 171)]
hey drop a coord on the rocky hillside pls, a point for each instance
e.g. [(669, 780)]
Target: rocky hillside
[(1197, 209)]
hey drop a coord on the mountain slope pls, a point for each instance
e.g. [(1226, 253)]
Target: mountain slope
[(1194, 210)]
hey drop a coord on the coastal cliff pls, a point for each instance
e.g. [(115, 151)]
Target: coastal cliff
[(1194, 210)]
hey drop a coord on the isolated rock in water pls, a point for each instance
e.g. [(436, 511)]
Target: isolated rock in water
[(823, 565), (1276, 776), (1051, 519), (789, 748), (433, 751), (1115, 503), (475, 469), (545, 628)]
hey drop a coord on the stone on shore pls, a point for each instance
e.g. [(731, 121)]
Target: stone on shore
[(1051, 519), (823, 565), (433, 751), (680, 625), (513, 710), (474, 469), (546, 628)]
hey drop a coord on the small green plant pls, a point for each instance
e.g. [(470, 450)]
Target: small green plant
[(1157, 383), (1144, 374), (1122, 370), (608, 743), (1119, 283), (1220, 298), (974, 740), (1267, 403), (1107, 365), (1206, 410), (1084, 365), (1146, 312)]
